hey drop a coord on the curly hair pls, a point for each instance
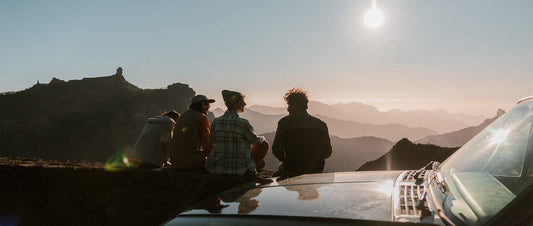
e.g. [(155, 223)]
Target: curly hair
[(297, 97)]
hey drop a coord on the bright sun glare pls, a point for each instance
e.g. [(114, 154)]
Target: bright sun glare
[(374, 17), (499, 136)]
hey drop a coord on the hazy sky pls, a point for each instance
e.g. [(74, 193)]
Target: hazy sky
[(470, 56)]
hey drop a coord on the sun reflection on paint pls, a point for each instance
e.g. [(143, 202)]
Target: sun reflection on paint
[(386, 188)]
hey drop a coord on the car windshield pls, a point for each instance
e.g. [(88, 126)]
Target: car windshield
[(492, 169)]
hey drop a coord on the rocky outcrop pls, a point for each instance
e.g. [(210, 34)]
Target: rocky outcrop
[(38, 192)]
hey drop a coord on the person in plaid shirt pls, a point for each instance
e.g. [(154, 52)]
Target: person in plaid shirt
[(233, 138)]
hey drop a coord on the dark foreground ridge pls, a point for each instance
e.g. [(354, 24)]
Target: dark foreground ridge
[(38, 192), (406, 155)]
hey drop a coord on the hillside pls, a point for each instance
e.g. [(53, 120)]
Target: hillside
[(87, 119), (460, 137), (407, 155), (262, 123), (350, 154), (347, 155)]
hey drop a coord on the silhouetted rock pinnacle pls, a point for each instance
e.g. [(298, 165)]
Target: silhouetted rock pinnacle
[(500, 112), (119, 71)]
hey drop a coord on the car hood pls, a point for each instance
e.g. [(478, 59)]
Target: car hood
[(349, 195)]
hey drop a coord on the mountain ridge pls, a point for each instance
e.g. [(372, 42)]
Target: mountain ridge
[(87, 119), (438, 120), (460, 137), (264, 123)]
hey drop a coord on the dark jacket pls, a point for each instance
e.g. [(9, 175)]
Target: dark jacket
[(302, 143), (190, 141)]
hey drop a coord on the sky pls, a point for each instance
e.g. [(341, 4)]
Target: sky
[(470, 56)]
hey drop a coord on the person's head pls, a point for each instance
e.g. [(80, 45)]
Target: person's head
[(296, 99), (201, 103), (233, 100), (173, 115)]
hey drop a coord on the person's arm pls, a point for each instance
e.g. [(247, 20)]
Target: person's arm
[(327, 149), (168, 141), (278, 148), (204, 135), (251, 136)]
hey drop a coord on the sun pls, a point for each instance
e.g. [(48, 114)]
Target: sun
[(374, 17)]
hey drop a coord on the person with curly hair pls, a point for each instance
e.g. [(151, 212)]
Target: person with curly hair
[(302, 141)]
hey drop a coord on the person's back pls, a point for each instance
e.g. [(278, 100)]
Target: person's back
[(302, 141), (232, 138), (185, 153), (190, 144), (149, 147)]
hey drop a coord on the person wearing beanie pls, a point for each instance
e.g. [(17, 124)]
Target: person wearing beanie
[(302, 141), (237, 149), (190, 143)]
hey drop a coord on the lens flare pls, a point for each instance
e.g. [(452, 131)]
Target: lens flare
[(117, 162)]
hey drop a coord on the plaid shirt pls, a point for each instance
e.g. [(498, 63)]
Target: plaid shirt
[(232, 137)]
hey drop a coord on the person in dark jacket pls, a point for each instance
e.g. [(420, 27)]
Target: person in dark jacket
[(302, 141), (190, 143)]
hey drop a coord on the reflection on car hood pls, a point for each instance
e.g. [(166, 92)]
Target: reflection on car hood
[(350, 195)]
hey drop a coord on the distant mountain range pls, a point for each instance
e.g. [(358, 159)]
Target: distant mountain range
[(460, 137), (347, 155), (439, 120), (407, 155), (87, 119), (264, 123)]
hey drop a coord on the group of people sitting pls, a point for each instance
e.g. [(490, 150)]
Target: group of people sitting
[(229, 145)]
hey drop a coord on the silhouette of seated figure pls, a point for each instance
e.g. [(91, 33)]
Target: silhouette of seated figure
[(302, 141), (304, 153)]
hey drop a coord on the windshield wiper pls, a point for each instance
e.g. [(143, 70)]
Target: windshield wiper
[(434, 165), (422, 205), (422, 201)]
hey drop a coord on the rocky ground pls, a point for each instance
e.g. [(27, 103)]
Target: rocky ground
[(37, 192)]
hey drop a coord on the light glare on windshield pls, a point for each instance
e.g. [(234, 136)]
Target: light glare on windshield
[(499, 136)]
